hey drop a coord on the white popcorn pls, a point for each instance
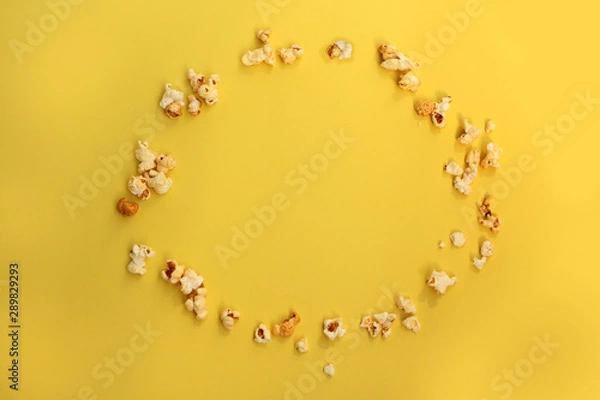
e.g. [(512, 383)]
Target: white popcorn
[(487, 249), (302, 345), (438, 116), (172, 102), (288, 56), (197, 304), (409, 81), (165, 163), (137, 185), (262, 334), (196, 80), (190, 281), (138, 255), (229, 317), (395, 60), (463, 183), (385, 320), (492, 157), (264, 35), (145, 156), (453, 168), (470, 133), (173, 273), (333, 328), (441, 245), (458, 239), (478, 263), (329, 369), (208, 91), (440, 281), (260, 55), (412, 323), (490, 126), (373, 327), (160, 183), (194, 105), (340, 49), (406, 304), (488, 218)]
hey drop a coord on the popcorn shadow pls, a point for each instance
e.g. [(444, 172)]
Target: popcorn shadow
[(428, 294)]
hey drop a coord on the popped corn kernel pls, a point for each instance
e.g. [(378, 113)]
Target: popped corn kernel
[(388, 51), (165, 163), (487, 249), (229, 318), (492, 157), (406, 304), (160, 183), (478, 263), (286, 328), (196, 80), (458, 239), (264, 35), (488, 218), (172, 102), (173, 273), (138, 255), (440, 281), (127, 208), (329, 369), (463, 183), (302, 345), (441, 245), (425, 107), (196, 302), (412, 323), (260, 55), (409, 82), (438, 116), (190, 281), (208, 91), (340, 49), (288, 56), (490, 126), (138, 186), (373, 327), (453, 168), (145, 156), (333, 328), (470, 133), (400, 63), (194, 105), (385, 320), (262, 334)]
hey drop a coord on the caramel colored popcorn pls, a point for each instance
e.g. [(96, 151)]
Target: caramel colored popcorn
[(127, 208), (488, 218), (470, 133), (487, 249), (333, 328), (409, 82), (492, 157), (264, 35), (458, 239), (288, 56), (425, 107), (440, 281), (229, 318), (340, 49), (262, 334), (194, 105), (286, 328), (412, 323), (172, 102), (406, 304), (438, 116), (302, 345), (138, 186), (260, 55), (138, 255)]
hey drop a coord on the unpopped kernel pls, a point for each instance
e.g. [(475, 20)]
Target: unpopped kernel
[(458, 239), (470, 133), (262, 334), (289, 55), (492, 156), (440, 281), (340, 49), (488, 218), (286, 328), (333, 328), (412, 323), (172, 102), (138, 255)]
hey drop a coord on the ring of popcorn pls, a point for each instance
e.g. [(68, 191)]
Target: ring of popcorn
[(262, 334), (172, 102), (488, 218), (333, 328), (138, 255), (440, 281), (286, 328), (302, 345), (340, 49), (127, 208), (412, 323), (229, 318)]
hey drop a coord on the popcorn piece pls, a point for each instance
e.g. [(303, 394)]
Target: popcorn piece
[(196, 302), (406, 304), (453, 168), (196, 80), (229, 317), (394, 60), (470, 133), (438, 116), (440, 281), (165, 163), (463, 183), (208, 91), (329, 369), (190, 281), (373, 327), (409, 82), (340, 49), (194, 105), (172, 102), (160, 183), (412, 323), (388, 51), (127, 208), (145, 156), (490, 126), (262, 334), (287, 327), (137, 185), (385, 320), (487, 249), (264, 35), (492, 157), (138, 255), (333, 328), (488, 218), (478, 263), (302, 345), (260, 55), (288, 56), (458, 239), (441, 245), (425, 107), (173, 273)]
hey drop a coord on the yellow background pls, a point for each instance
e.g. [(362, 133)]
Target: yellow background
[(366, 229)]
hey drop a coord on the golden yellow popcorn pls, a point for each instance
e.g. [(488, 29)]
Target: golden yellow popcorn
[(438, 116), (138, 186), (487, 249), (458, 239), (260, 55), (172, 102), (138, 255), (440, 281), (302, 345), (145, 156), (173, 273), (409, 82), (490, 126), (229, 318), (329, 369), (340, 49), (194, 105), (286, 328), (453, 168), (127, 208), (262, 334), (488, 218), (288, 56), (492, 157), (470, 133), (478, 263), (333, 328), (264, 35), (160, 183), (406, 304), (412, 323)]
